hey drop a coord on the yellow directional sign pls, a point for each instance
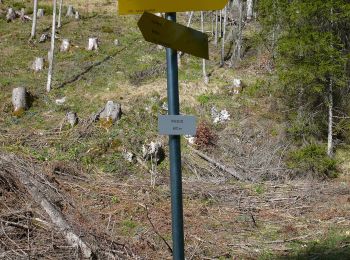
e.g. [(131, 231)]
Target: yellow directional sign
[(152, 6), (173, 35)]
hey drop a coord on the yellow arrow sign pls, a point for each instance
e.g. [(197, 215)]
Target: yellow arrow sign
[(173, 35), (152, 6)]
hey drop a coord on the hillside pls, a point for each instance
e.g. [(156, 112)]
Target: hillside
[(120, 207)]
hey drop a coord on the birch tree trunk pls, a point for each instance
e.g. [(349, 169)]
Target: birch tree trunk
[(205, 76), (59, 14), (216, 28), (52, 49), (35, 11), (249, 9), (330, 119)]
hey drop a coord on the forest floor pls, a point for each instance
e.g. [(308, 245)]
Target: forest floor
[(122, 209)]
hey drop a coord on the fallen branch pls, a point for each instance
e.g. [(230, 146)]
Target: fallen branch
[(11, 166), (221, 166)]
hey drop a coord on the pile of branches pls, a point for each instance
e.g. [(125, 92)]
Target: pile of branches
[(34, 221)]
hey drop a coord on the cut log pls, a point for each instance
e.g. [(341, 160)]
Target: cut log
[(11, 165), (38, 64), (23, 16), (111, 112), (70, 11), (77, 15), (19, 99), (219, 165), (11, 15), (93, 44), (40, 13), (65, 45), (72, 118), (116, 42)]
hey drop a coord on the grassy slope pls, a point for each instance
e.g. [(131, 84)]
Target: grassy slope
[(99, 149)]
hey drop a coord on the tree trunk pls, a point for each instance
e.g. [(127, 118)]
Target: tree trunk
[(205, 76), (52, 50), (330, 119), (249, 9), (223, 38), (216, 28), (35, 10), (59, 14)]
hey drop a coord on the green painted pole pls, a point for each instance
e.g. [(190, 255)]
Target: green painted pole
[(175, 153)]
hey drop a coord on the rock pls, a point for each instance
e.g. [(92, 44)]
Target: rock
[(129, 156), (44, 37), (153, 151), (165, 106), (70, 11), (19, 99), (190, 139), (38, 64), (116, 42), (72, 118), (93, 44), (60, 101), (77, 15), (11, 15), (112, 111), (65, 45), (40, 13), (220, 117)]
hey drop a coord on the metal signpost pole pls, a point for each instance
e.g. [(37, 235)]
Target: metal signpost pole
[(175, 153)]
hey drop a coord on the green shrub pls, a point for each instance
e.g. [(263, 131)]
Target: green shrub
[(313, 158), (203, 99)]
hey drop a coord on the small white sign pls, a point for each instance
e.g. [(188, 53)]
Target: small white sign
[(177, 125)]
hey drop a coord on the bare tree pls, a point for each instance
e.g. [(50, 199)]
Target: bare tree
[(223, 38), (249, 9), (216, 28), (52, 49), (205, 76), (60, 14), (35, 11)]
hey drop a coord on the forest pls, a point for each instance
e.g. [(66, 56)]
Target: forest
[(86, 174)]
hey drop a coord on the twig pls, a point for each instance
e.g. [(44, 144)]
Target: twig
[(154, 228)]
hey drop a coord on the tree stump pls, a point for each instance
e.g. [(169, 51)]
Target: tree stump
[(237, 86), (77, 15), (38, 64), (116, 42), (112, 112), (19, 100), (70, 11), (65, 45), (40, 13), (93, 44), (153, 151), (11, 15), (72, 118), (44, 37)]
